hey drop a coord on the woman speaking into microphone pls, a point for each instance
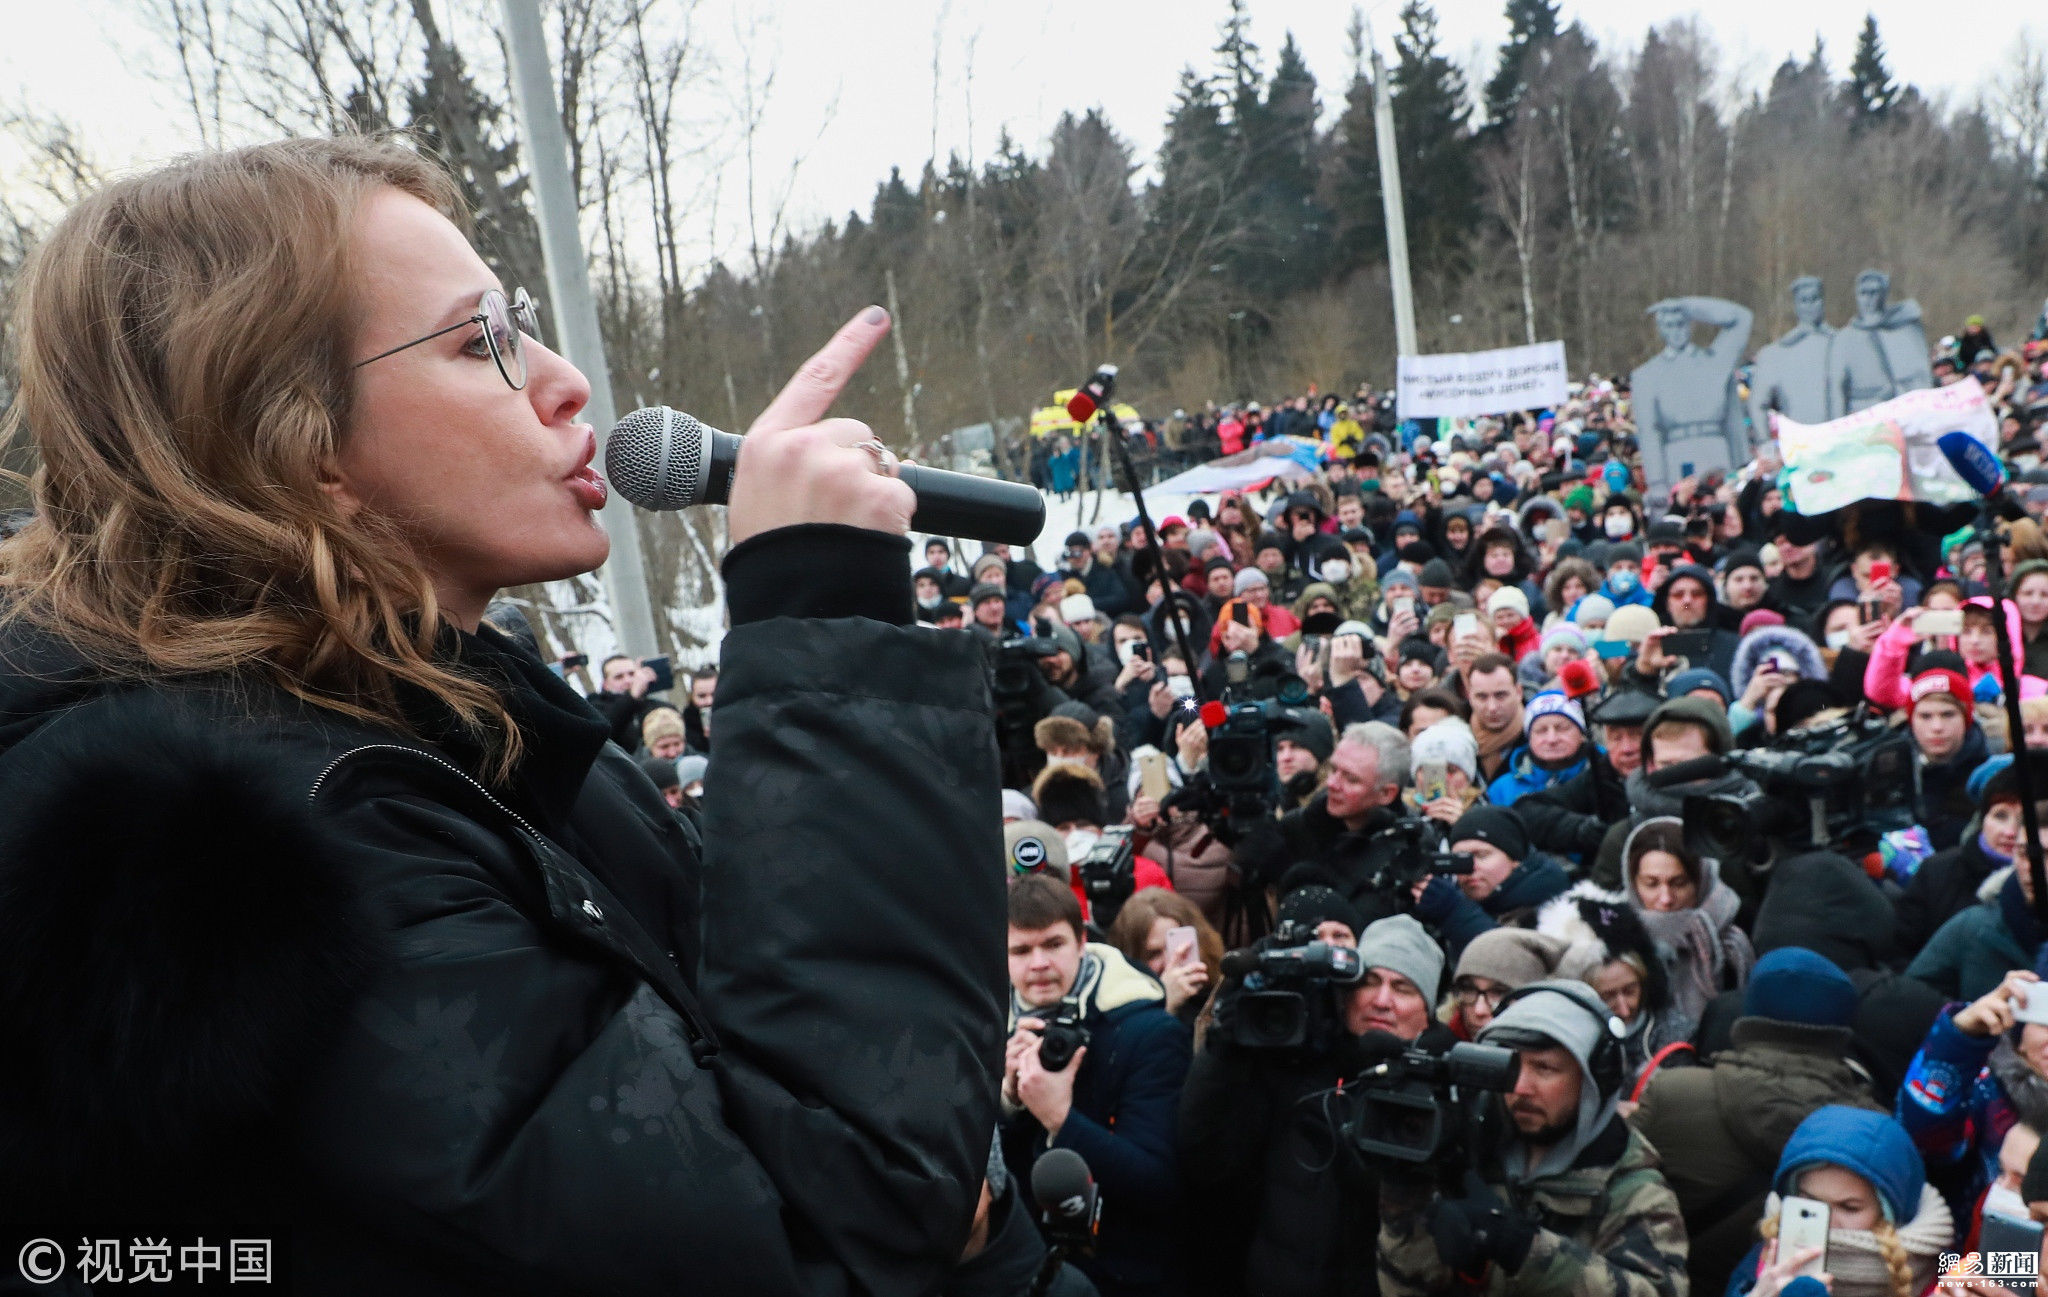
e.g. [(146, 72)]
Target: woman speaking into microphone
[(329, 917)]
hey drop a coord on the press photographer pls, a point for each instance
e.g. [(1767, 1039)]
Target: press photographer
[(1302, 1214), (1095, 1064), (1566, 1199), (1344, 831)]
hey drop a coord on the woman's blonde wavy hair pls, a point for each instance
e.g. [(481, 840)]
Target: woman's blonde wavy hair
[(184, 338)]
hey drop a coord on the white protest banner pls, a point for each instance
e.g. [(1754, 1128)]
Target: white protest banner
[(1886, 452), (1468, 383)]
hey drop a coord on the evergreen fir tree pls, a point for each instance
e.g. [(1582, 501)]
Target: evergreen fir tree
[(1239, 58), (1530, 24), (1439, 172), (1351, 182), (1870, 90), (1283, 158)]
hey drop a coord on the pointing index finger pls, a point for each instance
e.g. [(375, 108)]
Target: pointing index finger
[(812, 389)]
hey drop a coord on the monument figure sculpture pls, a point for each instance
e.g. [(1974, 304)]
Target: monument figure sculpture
[(1688, 417), (1791, 374), (1880, 353)]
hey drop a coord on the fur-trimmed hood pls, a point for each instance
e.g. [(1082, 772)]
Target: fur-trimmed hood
[(1777, 639), (1597, 927)]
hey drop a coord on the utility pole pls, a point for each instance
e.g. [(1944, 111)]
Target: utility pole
[(1390, 198), (575, 311)]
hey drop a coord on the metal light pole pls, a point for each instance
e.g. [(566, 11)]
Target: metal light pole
[(1390, 199), (575, 312)]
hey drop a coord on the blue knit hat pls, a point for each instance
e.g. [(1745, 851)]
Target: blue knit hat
[(1981, 777), (1684, 682), (1869, 1143), (1793, 984)]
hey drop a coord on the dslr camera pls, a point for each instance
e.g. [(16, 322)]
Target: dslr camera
[(1288, 1000), (1108, 874), (1413, 1107), (1061, 1039)]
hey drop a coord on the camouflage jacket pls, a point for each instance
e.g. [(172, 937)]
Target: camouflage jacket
[(1607, 1227)]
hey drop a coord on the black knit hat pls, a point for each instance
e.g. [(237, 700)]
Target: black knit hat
[(1315, 904), (1309, 728), (1495, 825), (661, 771), (1436, 575), (1416, 552)]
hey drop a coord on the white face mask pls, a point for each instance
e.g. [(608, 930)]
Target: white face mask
[(2001, 1201), (931, 602), (1838, 640), (1080, 841), (1337, 571), (1619, 526)]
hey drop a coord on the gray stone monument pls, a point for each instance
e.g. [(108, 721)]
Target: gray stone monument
[(1880, 353), (1791, 374), (1688, 417)]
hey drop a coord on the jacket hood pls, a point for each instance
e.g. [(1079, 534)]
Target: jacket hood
[(1316, 590), (1777, 639)]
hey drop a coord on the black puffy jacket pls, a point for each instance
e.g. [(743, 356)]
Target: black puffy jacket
[(272, 969), (1259, 1134)]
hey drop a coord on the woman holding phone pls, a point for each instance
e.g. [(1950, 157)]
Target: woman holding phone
[(392, 956), (1856, 1174)]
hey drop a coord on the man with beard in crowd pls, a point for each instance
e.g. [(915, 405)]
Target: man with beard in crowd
[(1573, 1201)]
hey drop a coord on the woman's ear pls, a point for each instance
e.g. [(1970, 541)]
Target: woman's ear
[(335, 484)]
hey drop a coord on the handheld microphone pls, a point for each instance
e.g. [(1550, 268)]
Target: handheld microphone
[(664, 459), (1068, 1202), (1977, 466), (1981, 471)]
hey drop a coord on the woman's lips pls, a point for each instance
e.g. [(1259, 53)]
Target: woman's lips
[(589, 488)]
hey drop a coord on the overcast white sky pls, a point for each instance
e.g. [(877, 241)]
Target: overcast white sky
[(1031, 60)]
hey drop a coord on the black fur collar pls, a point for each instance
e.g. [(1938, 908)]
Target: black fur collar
[(174, 932)]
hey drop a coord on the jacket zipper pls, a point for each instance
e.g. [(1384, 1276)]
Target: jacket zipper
[(313, 793), (702, 1040)]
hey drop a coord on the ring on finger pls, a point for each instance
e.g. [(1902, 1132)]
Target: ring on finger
[(885, 459)]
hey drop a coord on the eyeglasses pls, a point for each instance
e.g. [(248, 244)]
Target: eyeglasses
[(506, 325), (1469, 995)]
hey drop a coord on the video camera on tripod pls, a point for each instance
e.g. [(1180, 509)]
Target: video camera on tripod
[(1241, 786)]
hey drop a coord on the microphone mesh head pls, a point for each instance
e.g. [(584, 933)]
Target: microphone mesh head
[(655, 458)]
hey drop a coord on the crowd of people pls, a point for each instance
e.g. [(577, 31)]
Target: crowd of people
[(1493, 698), (1490, 678), (2016, 379)]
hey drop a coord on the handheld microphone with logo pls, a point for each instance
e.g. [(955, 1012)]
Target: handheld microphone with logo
[(1068, 1203), (664, 459), (1981, 471)]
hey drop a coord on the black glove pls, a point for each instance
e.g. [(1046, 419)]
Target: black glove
[(1478, 1228)]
